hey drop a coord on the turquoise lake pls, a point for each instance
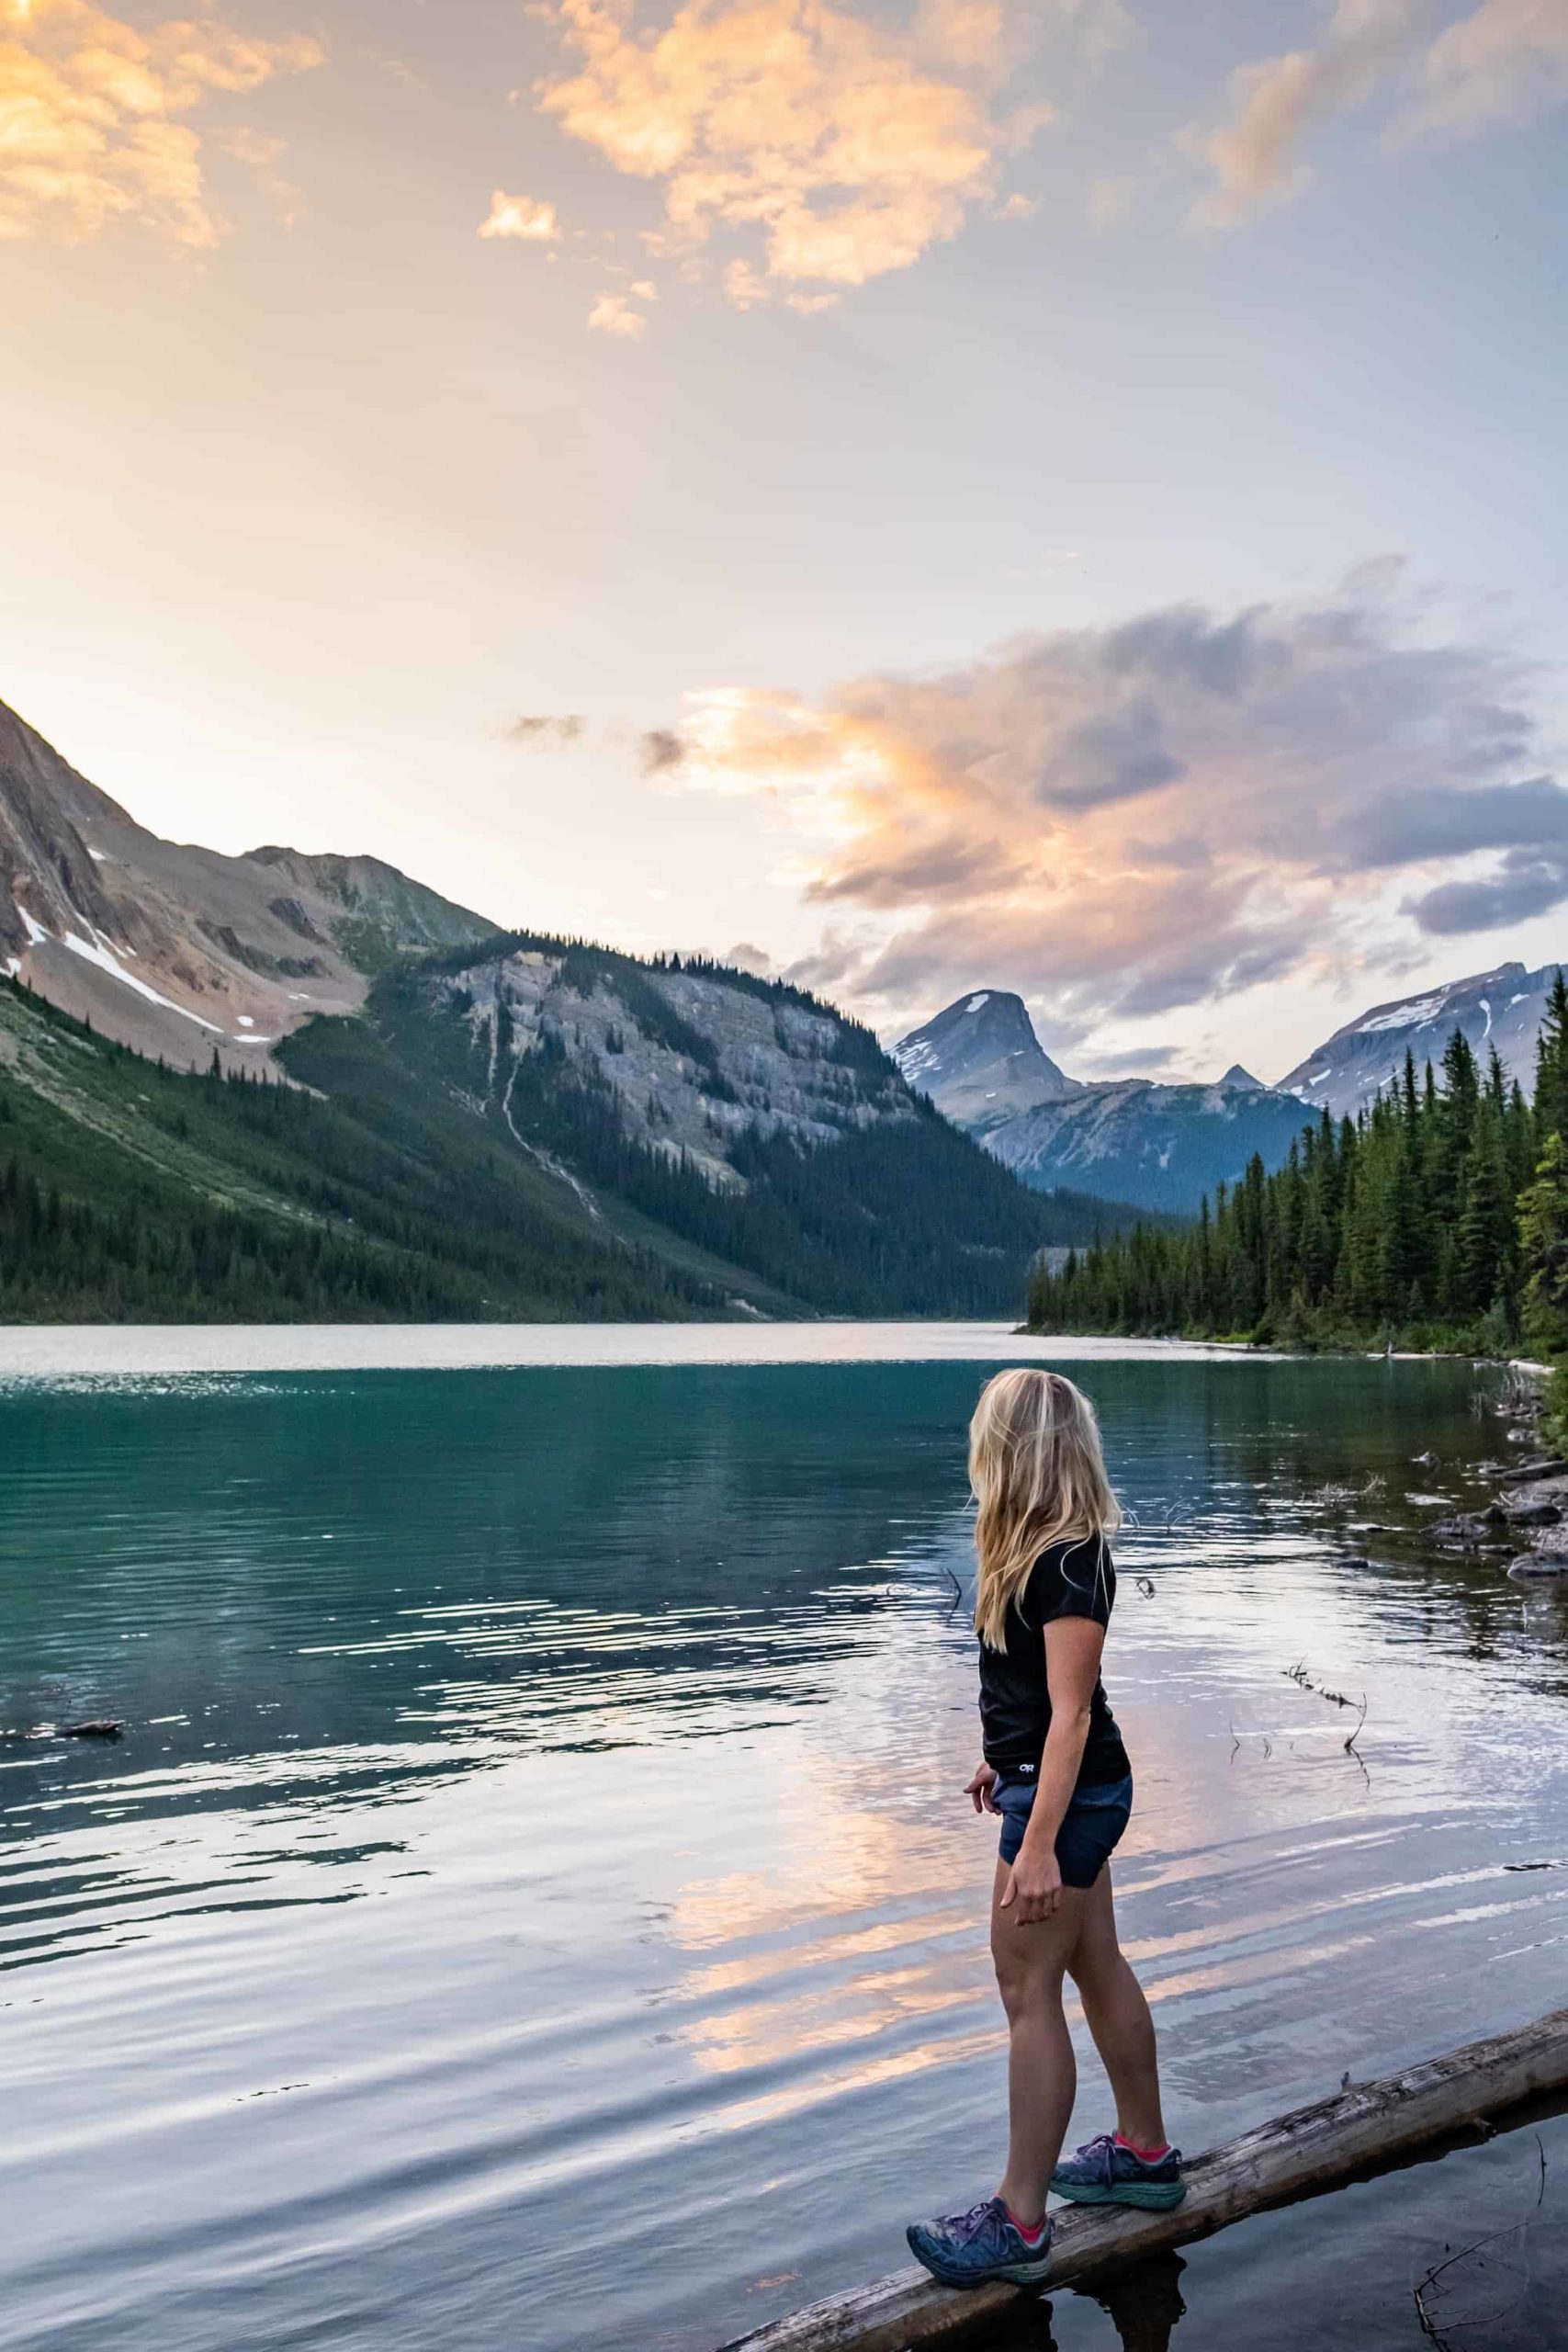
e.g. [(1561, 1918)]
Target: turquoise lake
[(532, 1906)]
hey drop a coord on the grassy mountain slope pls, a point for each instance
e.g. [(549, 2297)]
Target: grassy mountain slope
[(132, 1192)]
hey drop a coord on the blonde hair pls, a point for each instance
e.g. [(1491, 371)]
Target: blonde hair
[(1038, 1472)]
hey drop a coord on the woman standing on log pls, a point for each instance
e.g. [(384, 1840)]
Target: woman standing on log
[(1057, 1774)]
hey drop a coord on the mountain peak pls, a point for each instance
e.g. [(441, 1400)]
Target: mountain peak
[(179, 951), (1238, 1076), (1502, 1007), (981, 1062)]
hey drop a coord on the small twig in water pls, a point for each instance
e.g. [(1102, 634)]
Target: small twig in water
[(1355, 1735), (1146, 1587), (1434, 2330)]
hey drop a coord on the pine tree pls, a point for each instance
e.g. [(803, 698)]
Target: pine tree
[(1543, 1246), (1552, 1063), (1487, 1225)]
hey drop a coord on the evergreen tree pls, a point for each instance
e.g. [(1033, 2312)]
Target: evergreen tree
[(1488, 1231), (1405, 1220), (1543, 1244), (1552, 1063)]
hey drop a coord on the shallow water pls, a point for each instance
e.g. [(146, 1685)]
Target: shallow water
[(532, 1905)]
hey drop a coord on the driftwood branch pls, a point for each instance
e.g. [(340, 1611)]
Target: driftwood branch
[(1315, 2148)]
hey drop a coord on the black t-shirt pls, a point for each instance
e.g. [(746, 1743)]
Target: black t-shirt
[(1075, 1580)]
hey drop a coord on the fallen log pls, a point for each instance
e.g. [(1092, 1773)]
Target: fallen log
[(1315, 2148)]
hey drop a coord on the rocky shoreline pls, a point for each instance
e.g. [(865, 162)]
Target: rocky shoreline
[(1526, 1519)]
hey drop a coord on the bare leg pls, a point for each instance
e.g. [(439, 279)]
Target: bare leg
[(1041, 2074), (1118, 2017)]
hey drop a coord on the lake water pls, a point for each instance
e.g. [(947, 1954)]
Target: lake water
[(532, 1906)]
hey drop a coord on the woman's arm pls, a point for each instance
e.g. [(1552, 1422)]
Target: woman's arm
[(1073, 1647)]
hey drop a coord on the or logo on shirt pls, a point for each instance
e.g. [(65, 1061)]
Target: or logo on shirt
[(1026, 1772)]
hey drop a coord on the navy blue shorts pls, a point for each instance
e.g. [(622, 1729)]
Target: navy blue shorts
[(1091, 1827)]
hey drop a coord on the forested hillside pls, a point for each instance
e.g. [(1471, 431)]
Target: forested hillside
[(1439, 1216), (132, 1192), (741, 1115), (458, 1152)]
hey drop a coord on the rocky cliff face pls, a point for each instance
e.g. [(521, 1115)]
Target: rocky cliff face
[(695, 1061), (177, 950), (981, 1062), (1502, 1007)]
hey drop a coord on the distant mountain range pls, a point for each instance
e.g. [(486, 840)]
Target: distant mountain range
[(457, 1121), (1502, 1007), (1164, 1146)]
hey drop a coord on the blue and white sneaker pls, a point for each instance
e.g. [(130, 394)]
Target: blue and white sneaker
[(1103, 2172), (971, 2249)]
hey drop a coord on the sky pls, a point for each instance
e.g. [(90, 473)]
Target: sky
[(1068, 497)]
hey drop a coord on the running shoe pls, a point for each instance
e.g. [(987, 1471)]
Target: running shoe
[(1103, 2172), (970, 2249)]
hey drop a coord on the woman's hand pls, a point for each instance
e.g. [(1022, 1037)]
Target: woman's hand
[(1034, 1889), (978, 1790)]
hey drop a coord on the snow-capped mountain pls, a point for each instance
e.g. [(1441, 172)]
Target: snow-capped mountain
[(1501, 1008), (1157, 1146), (1163, 1147), (981, 1062)]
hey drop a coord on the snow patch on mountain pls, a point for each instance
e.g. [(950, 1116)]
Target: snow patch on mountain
[(980, 1060), (1419, 1014), (1500, 1009)]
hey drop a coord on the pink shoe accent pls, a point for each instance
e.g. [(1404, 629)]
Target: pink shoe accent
[(1030, 2236), (1145, 2155)]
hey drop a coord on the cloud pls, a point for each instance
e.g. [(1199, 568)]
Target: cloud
[(745, 957), (523, 217), (661, 751), (1524, 885), (1130, 819), (1111, 199), (1136, 1061), (1507, 60), (1274, 103), (614, 314), (88, 107), (848, 146), (531, 728)]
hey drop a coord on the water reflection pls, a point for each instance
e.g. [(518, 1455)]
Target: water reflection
[(542, 1788)]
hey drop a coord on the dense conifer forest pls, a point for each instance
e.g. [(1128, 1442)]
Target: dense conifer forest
[(1437, 1218), (132, 1192)]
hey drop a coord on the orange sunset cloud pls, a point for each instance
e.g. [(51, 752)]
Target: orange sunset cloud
[(853, 147), (88, 134), (1136, 817)]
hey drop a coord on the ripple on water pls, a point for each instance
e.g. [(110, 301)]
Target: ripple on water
[(541, 1793)]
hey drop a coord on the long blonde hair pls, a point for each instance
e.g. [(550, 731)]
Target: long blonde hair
[(1038, 1472)]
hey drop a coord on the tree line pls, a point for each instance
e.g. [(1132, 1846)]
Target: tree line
[(1436, 1217)]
